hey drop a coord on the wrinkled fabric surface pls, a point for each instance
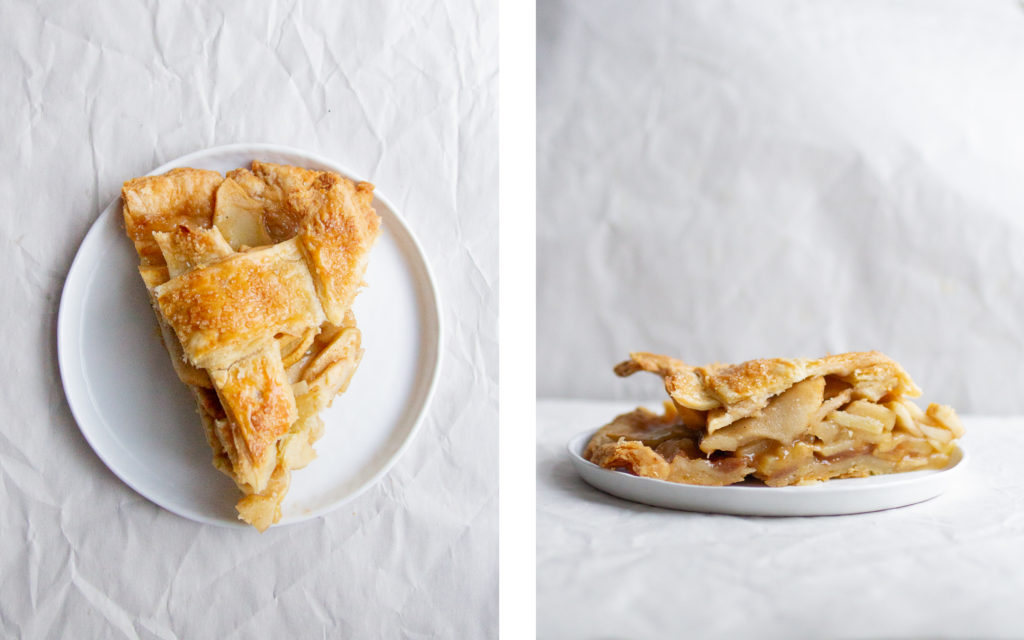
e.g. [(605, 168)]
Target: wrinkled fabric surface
[(402, 93), (951, 567), (723, 181)]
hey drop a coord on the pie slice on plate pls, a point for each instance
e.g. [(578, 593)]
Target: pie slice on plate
[(780, 421), (252, 277)]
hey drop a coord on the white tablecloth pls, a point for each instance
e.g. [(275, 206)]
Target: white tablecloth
[(949, 567), (402, 93)]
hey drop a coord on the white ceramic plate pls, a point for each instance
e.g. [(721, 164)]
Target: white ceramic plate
[(835, 497), (141, 420)]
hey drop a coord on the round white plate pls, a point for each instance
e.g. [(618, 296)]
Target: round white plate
[(142, 421), (832, 498)]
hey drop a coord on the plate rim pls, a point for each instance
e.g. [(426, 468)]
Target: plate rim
[(582, 466), (433, 316)]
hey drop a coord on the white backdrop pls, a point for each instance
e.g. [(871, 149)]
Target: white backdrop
[(402, 93), (721, 181)]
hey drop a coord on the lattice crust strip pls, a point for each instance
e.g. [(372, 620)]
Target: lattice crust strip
[(252, 278)]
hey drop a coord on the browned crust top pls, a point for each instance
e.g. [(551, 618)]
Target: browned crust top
[(183, 196), (708, 387)]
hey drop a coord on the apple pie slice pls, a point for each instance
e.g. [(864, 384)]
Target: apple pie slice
[(252, 277), (783, 422)]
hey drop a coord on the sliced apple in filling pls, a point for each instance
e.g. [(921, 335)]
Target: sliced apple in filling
[(783, 422)]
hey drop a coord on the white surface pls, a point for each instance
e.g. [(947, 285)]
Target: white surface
[(108, 351), (402, 94), (949, 567), (833, 498), (728, 180)]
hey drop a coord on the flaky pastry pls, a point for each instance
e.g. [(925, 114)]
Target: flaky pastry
[(252, 278), (778, 421)]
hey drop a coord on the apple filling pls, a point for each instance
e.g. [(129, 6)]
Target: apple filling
[(782, 422)]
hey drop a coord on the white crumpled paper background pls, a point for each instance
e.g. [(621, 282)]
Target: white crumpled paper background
[(402, 93), (729, 180)]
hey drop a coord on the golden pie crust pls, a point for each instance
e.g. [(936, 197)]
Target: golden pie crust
[(252, 277), (778, 421)]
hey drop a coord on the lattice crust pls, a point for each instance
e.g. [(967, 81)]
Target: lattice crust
[(251, 278), (255, 392), (154, 276), (783, 422), (161, 203), (235, 306)]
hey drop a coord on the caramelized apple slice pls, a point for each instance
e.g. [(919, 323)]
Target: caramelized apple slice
[(783, 420), (239, 217)]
